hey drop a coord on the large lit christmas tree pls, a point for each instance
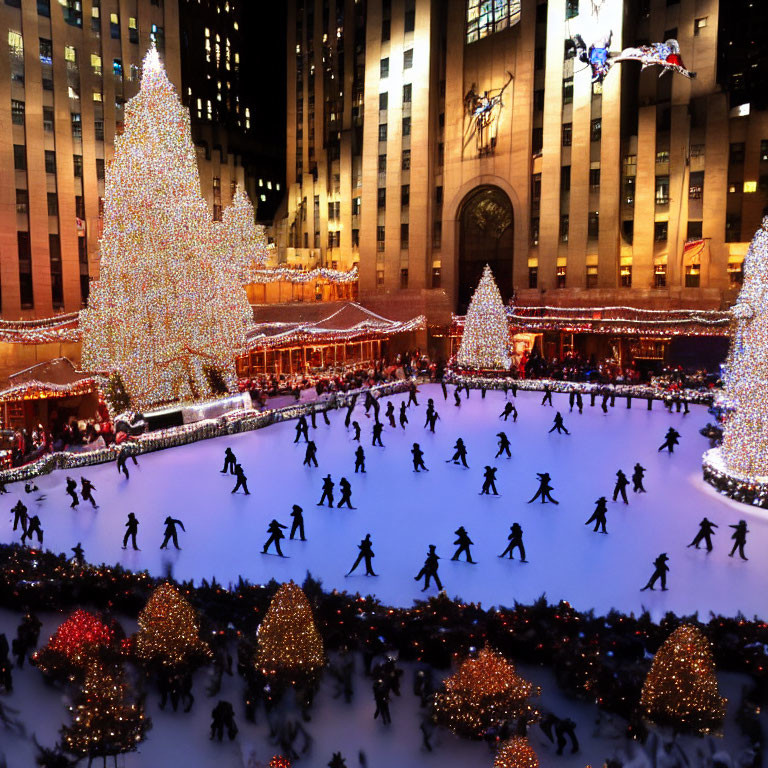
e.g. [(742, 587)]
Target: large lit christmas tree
[(485, 341), (169, 631), (165, 310), (484, 692), (105, 723), (681, 687), (290, 648), (745, 435)]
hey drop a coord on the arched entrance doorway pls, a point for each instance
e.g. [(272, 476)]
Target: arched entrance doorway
[(486, 237)]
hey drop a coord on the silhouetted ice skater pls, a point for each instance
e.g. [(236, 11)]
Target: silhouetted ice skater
[(29, 487), (122, 458), (310, 456), (598, 516), (430, 410), (131, 529), (509, 410), (381, 696), (544, 489), (503, 446), (378, 428), (86, 489), (20, 516), (456, 398), (242, 480), (444, 388), (79, 554), (547, 395), (579, 401), (327, 491), (360, 460), (429, 569), (275, 531), (302, 428), (298, 522), (171, 532), (739, 538), (660, 572), (223, 716), (33, 528), (637, 479), (370, 401), (464, 543), (229, 462), (356, 427), (705, 533), (460, 454), (418, 458), (3, 489), (412, 390), (312, 414), (403, 415), (489, 481), (558, 425), (72, 492), (366, 554), (515, 542), (671, 439), (390, 414), (350, 408), (571, 400), (433, 417), (563, 728), (621, 487), (346, 494)]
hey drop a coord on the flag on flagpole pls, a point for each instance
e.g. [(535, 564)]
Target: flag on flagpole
[(693, 250)]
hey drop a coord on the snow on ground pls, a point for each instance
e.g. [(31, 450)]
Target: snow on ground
[(405, 511), (335, 725)]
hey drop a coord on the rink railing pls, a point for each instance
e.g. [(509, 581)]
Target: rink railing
[(626, 391), (230, 424), (247, 420)]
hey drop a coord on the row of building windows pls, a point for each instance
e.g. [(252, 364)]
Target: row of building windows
[(20, 162)]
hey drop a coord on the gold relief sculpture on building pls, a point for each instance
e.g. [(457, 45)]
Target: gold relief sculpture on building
[(484, 112)]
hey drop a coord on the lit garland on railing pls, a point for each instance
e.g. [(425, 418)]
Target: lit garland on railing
[(288, 275), (638, 391), (39, 390), (230, 424), (60, 328), (747, 490)]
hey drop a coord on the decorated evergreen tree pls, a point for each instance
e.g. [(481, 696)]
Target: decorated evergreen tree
[(290, 648), (485, 341), (165, 304), (77, 642), (484, 692), (745, 435), (115, 394), (169, 632), (105, 723), (516, 753), (681, 687), (242, 243)]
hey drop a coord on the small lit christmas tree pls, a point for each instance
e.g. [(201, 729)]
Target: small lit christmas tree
[(242, 243), (290, 648), (77, 642), (105, 723), (745, 434), (164, 306), (169, 631), (516, 753), (485, 691), (485, 341), (681, 687)]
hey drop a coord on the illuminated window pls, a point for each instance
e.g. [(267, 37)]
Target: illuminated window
[(96, 64), (15, 43), (625, 275), (484, 17), (133, 30), (46, 51), (70, 54), (660, 276), (97, 96), (73, 94), (692, 276), (750, 186), (561, 277)]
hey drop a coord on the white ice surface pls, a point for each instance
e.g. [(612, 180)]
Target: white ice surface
[(405, 511)]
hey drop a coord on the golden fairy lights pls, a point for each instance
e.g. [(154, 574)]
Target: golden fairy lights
[(104, 721), (681, 687), (168, 630), (166, 309), (289, 645), (484, 692), (516, 753), (241, 242), (485, 342), (745, 435)]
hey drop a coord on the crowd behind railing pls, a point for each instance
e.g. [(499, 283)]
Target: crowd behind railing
[(81, 435)]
